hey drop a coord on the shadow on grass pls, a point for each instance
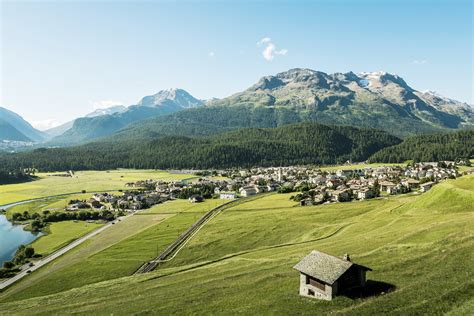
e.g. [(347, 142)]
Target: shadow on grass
[(13, 180), (371, 288)]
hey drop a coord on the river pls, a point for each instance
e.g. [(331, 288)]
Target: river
[(12, 236)]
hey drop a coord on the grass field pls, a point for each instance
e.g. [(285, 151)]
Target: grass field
[(60, 234), (420, 248), (178, 206), (118, 251), (82, 180)]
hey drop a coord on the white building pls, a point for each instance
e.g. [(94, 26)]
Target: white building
[(227, 195), (247, 191)]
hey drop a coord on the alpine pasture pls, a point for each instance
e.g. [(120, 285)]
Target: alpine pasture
[(420, 248)]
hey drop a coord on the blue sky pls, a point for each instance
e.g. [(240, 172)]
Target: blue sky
[(62, 59)]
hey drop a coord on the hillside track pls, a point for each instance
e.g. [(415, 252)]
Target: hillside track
[(182, 239)]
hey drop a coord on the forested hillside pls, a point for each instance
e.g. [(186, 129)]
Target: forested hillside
[(306, 143), (434, 147), (210, 120)]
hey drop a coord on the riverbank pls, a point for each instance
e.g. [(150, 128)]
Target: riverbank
[(11, 237)]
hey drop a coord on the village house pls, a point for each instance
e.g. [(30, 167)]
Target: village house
[(365, 194), (227, 195), (344, 173), (136, 206), (396, 189), (307, 202), (426, 186), (96, 204), (77, 205), (411, 183), (324, 276), (196, 198), (386, 186), (332, 183), (247, 191), (340, 195), (101, 197)]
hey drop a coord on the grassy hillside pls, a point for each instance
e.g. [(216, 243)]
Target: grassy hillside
[(241, 262), (118, 251), (60, 234)]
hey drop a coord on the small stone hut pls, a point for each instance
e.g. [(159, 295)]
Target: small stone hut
[(324, 276)]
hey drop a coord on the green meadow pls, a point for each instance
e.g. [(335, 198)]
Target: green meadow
[(180, 206), (90, 181), (118, 251), (60, 234), (420, 248)]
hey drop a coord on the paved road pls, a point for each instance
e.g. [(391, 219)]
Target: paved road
[(26, 269)]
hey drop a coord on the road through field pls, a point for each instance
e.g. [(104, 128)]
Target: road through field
[(26, 269)]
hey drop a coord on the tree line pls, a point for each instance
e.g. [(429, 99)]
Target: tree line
[(10, 175), (304, 143), (430, 147)]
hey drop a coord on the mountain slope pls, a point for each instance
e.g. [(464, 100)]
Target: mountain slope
[(21, 125), (89, 128), (61, 129), (8, 132), (306, 143), (106, 111), (375, 100), (354, 99)]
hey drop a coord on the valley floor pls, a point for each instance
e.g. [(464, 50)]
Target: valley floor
[(420, 248)]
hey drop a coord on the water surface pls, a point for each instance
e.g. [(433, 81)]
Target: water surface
[(12, 236)]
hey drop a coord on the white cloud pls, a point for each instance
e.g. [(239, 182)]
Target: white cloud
[(270, 50), (211, 54), (45, 124), (420, 62), (104, 104), (264, 41)]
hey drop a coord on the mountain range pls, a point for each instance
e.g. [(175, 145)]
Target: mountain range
[(14, 128), (371, 99), (61, 129), (375, 100), (98, 124)]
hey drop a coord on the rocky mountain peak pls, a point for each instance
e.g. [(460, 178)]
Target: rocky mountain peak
[(179, 97), (106, 111)]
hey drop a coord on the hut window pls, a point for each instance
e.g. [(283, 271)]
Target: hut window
[(310, 292), (315, 283)]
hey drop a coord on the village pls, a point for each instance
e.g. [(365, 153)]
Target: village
[(311, 186)]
